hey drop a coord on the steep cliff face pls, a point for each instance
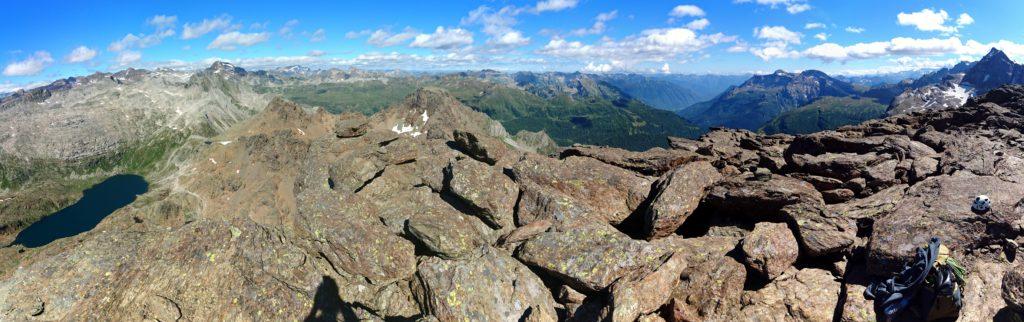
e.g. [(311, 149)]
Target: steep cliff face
[(430, 210)]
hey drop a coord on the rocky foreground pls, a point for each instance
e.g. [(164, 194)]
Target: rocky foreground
[(430, 211)]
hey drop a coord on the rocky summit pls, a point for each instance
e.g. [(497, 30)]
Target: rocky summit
[(429, 210)]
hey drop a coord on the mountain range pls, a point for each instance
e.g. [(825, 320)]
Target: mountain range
[(430, 210), (763, 97), (812, 101)]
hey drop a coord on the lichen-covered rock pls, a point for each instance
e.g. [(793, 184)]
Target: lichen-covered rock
[(489, 193), (982, 297), (488, 287), (608, 193), (632, 298), (843, 166), (873, 206), (857, 308), (675, 197), (805, 295), (480, 147), (1013, 289), (709, 290), (819, 231), (940, 206), (588, 258), (446, 234), (526, 232), (653, 162), (770, 249), (368, 250)]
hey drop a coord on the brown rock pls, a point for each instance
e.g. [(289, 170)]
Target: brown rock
[(526, 232), (711, 289), (843, 166), (819, 182), (367, 250), (492, 287), (588, 258), (607, 193), (818, 231), (857, 308), (873, 206), (489, 193), (480, 147), (653, 162), (350, 125), (1013, 289), (676, 196), (567, 294), (804, 295), (632, 298), (447, 235), (837, 195), (159, 308), (770, 249), (940, 206), (923, 168), (982, 297)]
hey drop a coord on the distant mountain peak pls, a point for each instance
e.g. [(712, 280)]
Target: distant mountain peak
[(814, 73), (995, 53), (219, 67), (994, 70)]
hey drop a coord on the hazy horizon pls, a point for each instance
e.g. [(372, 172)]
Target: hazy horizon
[(671, 37)]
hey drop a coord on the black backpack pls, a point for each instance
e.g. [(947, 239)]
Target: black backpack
[(928, 289)]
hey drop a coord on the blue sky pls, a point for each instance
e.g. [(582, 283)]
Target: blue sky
[(40, 43)]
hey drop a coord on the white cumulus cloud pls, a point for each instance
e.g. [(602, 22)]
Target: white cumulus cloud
[(904, 46), (555, 5), (698, 24), (234, 39), (196, 30), (32, 65), (798, 8), (930, 20), (510, 39), (81, 54), (814, 25), (127, 57), (792, 6), (385, 38), (443, 38), (964, 19), (161, 22), (686, 10), (778, 33), (854, 30), (651, 45)]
